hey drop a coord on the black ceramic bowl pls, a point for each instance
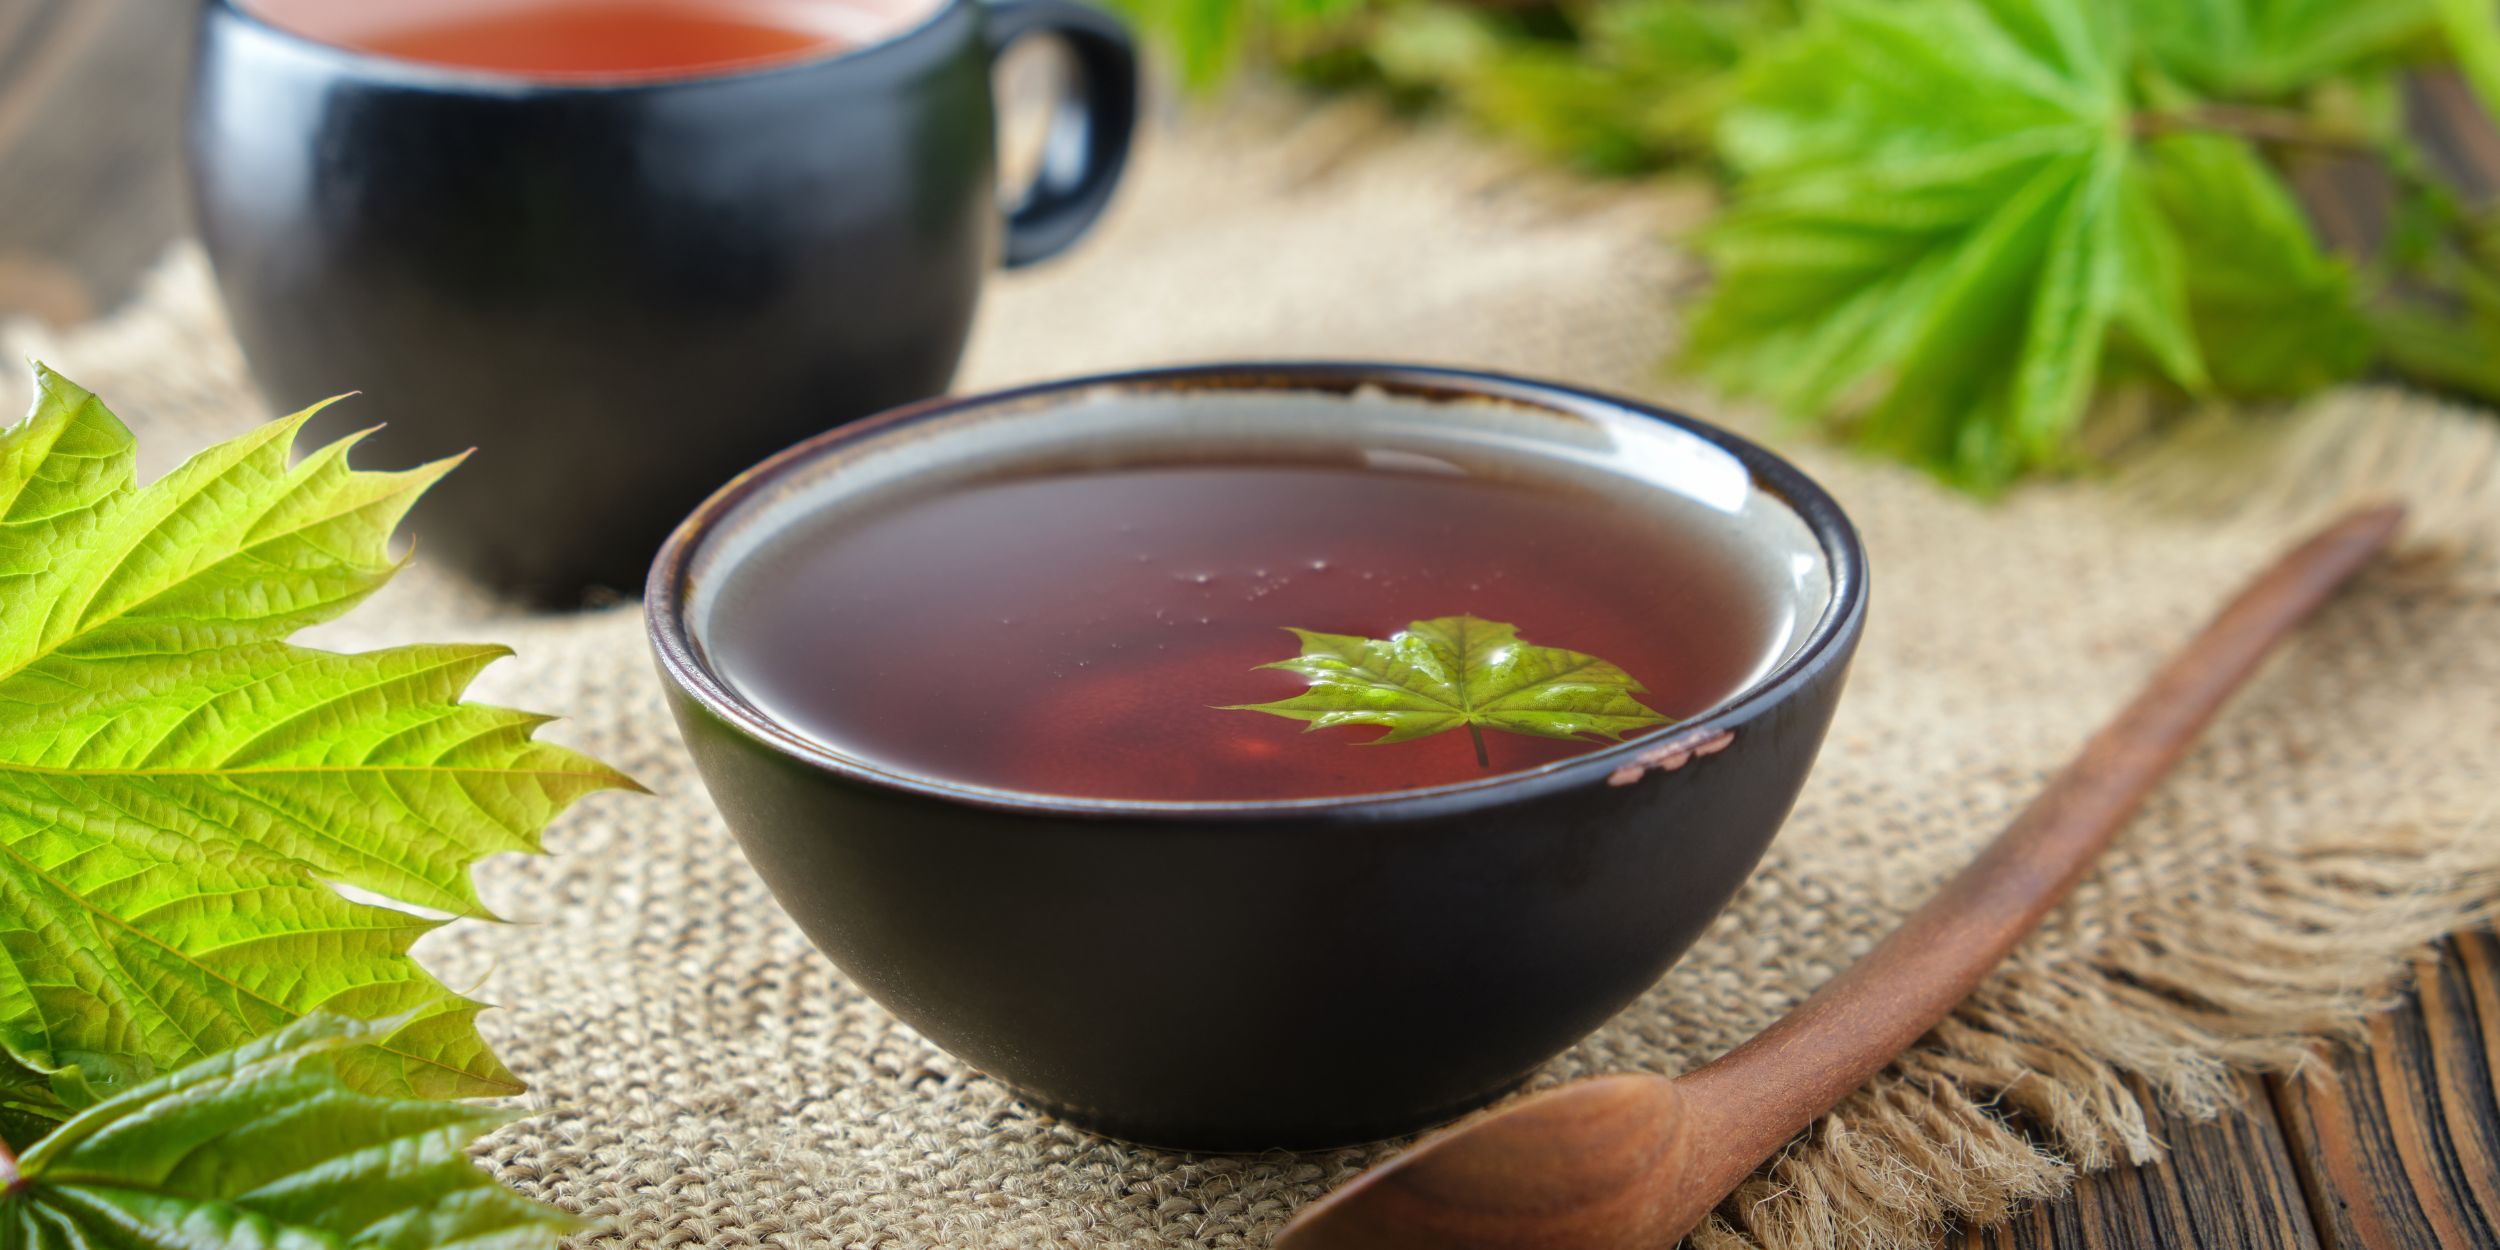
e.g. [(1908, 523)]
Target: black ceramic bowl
[(1295, 973)]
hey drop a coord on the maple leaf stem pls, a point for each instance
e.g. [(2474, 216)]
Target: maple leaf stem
[(1482, 760), (2259, 125)]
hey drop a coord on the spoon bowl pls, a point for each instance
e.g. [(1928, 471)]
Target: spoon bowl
[(1580, 1167)]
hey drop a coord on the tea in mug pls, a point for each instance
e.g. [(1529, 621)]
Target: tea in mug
[(596, 38)]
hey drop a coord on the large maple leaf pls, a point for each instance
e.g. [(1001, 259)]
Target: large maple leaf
[(182, 790)]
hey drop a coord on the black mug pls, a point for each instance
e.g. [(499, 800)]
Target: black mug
[(622, 293)]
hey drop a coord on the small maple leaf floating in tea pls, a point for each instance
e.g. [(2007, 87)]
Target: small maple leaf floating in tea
[(1436, 675)]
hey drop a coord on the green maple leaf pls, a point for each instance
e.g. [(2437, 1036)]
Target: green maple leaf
[(181, 789), (1437, 675), (1948, 224), (267, 1146), (1939, 207)]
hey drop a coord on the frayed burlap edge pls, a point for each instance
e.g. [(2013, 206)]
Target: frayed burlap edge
[(2002, 1103), (2282, 470), (2036, 1076)]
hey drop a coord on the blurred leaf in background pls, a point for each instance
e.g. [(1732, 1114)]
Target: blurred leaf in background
[(1953, 217), (1614, 89), (1949, 224)]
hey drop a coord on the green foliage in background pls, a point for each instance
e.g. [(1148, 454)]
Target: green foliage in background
[(1949, 224)]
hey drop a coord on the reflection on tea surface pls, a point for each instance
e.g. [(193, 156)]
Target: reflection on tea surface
[(1078, 633)]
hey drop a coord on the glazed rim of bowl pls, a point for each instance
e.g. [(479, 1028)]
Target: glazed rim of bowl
[(384, 66), (1712, 468)]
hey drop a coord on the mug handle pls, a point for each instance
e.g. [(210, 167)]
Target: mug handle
[(1088, 141)]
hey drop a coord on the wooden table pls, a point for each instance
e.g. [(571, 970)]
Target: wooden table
[(2397, 1145)]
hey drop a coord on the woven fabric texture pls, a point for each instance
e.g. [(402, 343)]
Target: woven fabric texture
[(703, 1078)]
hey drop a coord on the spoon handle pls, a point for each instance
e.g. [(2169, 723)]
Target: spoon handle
[(1762, 1093)]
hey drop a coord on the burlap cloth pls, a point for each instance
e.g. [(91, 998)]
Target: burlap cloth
[(705, 1078)]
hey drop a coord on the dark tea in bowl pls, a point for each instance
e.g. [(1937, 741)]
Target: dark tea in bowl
[(1083, 629), (1259, 756)]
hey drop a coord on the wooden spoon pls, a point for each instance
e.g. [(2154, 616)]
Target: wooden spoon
[(1634, 1162)]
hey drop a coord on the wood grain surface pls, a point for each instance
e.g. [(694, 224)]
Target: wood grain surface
[(2392, 1147)]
